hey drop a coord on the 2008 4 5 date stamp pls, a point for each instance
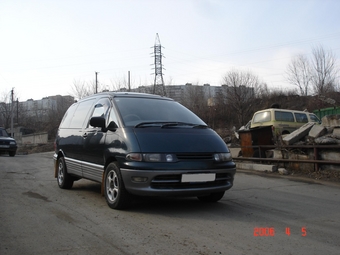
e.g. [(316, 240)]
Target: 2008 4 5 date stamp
[(270, 231)]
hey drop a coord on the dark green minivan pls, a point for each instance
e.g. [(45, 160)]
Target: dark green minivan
[(141, 145)]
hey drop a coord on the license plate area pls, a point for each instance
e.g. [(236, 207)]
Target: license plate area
[(198, 177)]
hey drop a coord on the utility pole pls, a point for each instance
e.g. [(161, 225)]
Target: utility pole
[(12, 111), (159, 82), (96, 82), (129, 81)]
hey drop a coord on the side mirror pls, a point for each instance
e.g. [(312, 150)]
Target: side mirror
[(97, 122)]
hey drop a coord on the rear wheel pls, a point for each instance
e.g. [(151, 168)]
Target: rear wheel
[(114, 190), (65, 181), (211, 198)]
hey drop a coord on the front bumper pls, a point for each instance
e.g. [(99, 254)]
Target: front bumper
[(8, 148), (169, 182)]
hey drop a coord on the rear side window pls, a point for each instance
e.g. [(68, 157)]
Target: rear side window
[(284, 116), (79, 115), (262, 117), (65, 122), (301, 117)]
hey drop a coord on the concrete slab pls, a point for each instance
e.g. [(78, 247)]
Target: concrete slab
[(331, 120), (317, 131), (336, 132), (298, 134), (256, 167)]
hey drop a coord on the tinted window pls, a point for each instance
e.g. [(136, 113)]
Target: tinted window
[(65, 122), (137, 110), (80, 114), (262, 117), (301, 117), (101, 108), (284, 116), (113, 117)]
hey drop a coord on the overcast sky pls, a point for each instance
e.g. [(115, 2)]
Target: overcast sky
[(47, 45)]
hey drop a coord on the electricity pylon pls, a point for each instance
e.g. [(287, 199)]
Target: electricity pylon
[(158, 87)]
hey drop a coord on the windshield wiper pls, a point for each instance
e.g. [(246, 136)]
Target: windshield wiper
[(164, 124), (150, 124), (173, 124)]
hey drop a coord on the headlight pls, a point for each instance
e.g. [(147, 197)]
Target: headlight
[(222, 157), (151, 157), (12, 143)]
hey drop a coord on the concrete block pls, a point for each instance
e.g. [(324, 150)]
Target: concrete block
[(276, 154), (256, 167), (317, 131), (331, 120), (336, 133), (330, 155), (296, 135), (283, 171)]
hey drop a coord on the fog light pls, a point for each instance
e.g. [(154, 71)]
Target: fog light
[(139, 179), (169, 158)]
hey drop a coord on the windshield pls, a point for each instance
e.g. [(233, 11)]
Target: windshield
[(135, 111), (262, 117), (3, 133)]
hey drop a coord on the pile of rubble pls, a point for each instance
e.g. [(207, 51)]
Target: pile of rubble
[(326, 134)]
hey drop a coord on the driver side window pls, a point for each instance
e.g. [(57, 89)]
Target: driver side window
[(101, 108)]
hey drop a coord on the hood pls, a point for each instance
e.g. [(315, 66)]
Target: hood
[(5, 138), (183, 140)]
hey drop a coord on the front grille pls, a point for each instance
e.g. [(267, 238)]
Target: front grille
[(4, 142), (174, 182), (200, 156)]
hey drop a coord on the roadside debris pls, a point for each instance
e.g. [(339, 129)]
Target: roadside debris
[(310, 143)]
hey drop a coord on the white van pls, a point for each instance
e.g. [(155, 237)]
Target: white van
[(283, 121)]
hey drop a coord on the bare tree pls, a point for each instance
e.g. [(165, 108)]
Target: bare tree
[(299, 73), (80, 89), (5, 110), (241, 93), (194, 98), (324, 70)]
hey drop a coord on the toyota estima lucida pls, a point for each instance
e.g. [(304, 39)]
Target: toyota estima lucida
[(141, 145)]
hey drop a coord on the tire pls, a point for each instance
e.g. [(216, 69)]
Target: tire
[(65, 181), (11, 153), (211, 198), (114, 190)]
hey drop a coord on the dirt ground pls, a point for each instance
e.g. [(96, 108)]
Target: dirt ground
[(29, 149)]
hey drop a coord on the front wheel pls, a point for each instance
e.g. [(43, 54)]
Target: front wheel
[(65, 181), (211, 198), (114, 190)]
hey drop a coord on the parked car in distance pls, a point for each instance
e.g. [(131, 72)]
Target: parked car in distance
[(138, 144), (7, 143), (283, 121)]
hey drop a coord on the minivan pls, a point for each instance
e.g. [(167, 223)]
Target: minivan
[(283, 121), (138, 144)]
